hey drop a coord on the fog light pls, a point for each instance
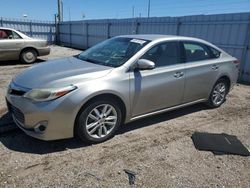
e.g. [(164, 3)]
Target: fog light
[(41, 127)]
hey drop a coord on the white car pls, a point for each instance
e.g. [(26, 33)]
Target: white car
[(15, 45)]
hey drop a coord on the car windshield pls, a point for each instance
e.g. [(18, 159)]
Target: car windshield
[(113, 52)]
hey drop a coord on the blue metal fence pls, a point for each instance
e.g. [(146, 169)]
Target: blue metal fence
[(231, 32), (37, 29)]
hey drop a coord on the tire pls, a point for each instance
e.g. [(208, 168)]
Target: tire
[(220, 90), (88, 117), (28, 56)]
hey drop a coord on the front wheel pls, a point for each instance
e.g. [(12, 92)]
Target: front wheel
[(98, 121), (218, 95)]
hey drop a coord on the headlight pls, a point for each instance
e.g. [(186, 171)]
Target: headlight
[(41, 95)]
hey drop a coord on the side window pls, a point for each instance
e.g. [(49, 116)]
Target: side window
[(163, 54), (15, 35), (195, 51)]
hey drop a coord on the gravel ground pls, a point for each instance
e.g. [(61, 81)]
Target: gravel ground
[(159, 149)]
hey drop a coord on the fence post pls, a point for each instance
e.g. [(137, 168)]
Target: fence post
[(87, 34), (134, 25), (31, 33), (57, 33), (70, 33), (83, 23), (137, 24), (178, 25), (244, 52), (108, 30)]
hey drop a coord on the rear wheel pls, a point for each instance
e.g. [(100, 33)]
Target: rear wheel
[(218, 95), (28, 56), (98, 121)]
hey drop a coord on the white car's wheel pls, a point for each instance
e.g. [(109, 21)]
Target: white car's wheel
[(28, 56)]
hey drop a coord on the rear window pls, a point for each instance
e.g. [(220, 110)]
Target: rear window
[(195, 51), (215, 53)]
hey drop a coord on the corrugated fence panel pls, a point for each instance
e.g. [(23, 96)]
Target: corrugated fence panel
[(122, 27), (97, 31), (77, 35), (228, 31), (165, 25), (64, 34), (36, 29)]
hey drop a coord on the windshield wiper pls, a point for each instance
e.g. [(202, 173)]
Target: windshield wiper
[(95, 62), (86, 59)]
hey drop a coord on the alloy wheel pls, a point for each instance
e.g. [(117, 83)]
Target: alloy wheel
[(219, 93), (101, 121)]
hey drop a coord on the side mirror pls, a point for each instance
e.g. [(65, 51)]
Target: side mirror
[(10, 37), (144, 64)]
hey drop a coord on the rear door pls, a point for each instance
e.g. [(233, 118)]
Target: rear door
[(162, 87), (202, 69)]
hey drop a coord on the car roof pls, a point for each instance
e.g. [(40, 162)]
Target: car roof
[(6, 28), (18, 32), (148, 36), (153, 37)]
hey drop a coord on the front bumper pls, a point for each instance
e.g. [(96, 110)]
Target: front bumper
[(58, 114)]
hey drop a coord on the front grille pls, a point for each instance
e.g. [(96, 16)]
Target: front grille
[(16, 112)]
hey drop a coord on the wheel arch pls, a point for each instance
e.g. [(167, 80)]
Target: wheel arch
[(227, 79), (27, 48), (112, 96)]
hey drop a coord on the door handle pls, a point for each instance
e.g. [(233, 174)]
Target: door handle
[(215, 67), (179, 74)]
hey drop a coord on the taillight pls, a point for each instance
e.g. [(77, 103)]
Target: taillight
[(236, 62)]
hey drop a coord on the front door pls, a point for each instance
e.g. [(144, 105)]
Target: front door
[(162, 87)]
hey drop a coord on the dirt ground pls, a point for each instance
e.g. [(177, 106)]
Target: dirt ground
[(158, 149)]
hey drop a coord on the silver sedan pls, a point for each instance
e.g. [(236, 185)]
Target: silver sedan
[(117, 81), (15, 45)]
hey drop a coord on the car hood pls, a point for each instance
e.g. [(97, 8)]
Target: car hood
[(60, 73)]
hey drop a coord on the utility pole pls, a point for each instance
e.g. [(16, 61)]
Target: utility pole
[(69, 14), (149, 6), (133, 11), (59, 3), (62, 10), (57, 31)]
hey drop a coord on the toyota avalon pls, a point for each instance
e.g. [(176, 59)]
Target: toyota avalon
[(117, 81)]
